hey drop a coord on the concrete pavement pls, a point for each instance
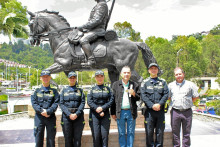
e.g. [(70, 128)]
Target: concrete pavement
[(19, 133)]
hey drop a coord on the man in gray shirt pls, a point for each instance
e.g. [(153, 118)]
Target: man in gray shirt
[(182, 94)]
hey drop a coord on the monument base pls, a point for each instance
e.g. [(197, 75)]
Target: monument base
[(140, 139), (140, 135)]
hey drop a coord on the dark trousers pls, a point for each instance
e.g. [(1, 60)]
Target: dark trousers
[(183, 118), (154, 122), (100, 129), (72, 130), (40, 122)]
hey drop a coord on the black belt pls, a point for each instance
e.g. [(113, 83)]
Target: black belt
[(72, 110), (126, 109), (181, 110)]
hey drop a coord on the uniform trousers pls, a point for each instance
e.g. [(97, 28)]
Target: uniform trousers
[(40, 122), (72, 130), (179, 118), (100, 128), (154, 122)]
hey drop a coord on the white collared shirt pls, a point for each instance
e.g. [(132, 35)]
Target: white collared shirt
[(181, 94), (125, 99)]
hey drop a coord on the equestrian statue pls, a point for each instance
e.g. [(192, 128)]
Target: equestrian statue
[(87, 47)]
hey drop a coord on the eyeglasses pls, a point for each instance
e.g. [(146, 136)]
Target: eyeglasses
[(45, 72)]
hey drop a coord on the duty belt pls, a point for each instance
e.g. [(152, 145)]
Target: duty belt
[(72, 110), (181, 110)]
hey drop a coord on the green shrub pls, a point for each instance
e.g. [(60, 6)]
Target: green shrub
[(3, 112), (212, 92), (3, 97), (215, 104)]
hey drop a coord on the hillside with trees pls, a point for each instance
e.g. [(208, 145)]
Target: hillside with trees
[(200, 55)]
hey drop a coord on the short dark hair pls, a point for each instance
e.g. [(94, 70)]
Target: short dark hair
[(177, 68)]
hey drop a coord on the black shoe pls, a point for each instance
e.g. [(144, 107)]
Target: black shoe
[(90, 62)]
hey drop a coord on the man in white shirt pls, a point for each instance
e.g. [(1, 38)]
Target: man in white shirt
[(182, 94), (124, 108)]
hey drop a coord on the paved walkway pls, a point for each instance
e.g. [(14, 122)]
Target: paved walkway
[(19, 133)]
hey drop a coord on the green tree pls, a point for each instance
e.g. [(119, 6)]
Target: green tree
[(198, 36), (13, 19), (26, 54), (215, 30), (125, 30), (61, 79), (218, 80), (191, 58), (34, 77), (165, 54), (211, 51)]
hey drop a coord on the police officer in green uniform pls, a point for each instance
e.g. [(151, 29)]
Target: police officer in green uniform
[(72, 102), (154, 93), (100, 99), (45, 101)]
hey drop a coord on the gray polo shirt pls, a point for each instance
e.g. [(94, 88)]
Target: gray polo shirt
[(181, 94)]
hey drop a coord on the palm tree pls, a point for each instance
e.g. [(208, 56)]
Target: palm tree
[(13, 19)]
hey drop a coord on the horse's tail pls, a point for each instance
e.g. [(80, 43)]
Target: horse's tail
[(147, 55)]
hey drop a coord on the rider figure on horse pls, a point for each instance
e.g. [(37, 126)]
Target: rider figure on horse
[(94, 28)]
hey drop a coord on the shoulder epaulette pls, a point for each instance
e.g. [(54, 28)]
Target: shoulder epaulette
[(144, 81), (37, 89), (161, 79)]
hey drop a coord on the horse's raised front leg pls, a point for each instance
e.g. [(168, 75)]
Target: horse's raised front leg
[(55, 68)]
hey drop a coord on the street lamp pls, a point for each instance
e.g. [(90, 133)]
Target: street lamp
[(6, 71), (17, 76), (20, 80), (29, 73), (177, 61), (26, 80)]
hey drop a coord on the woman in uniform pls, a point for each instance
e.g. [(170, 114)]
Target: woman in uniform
[(72, 102), (100, 99)]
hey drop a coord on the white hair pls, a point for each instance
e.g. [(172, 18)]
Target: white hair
[(125, 67)]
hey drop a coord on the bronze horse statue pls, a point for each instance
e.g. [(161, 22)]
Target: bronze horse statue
[(112, 54)]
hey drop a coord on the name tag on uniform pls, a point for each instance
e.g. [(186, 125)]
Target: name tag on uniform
[(50, 95), (95, 91), (150, 87), (78, 94), (106, 91), (39, 94), (159, 87)]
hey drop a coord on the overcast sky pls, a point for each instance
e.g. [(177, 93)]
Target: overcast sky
[(160, 18)]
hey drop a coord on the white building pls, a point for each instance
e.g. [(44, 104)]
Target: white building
[(208, 82), (18, 103)]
